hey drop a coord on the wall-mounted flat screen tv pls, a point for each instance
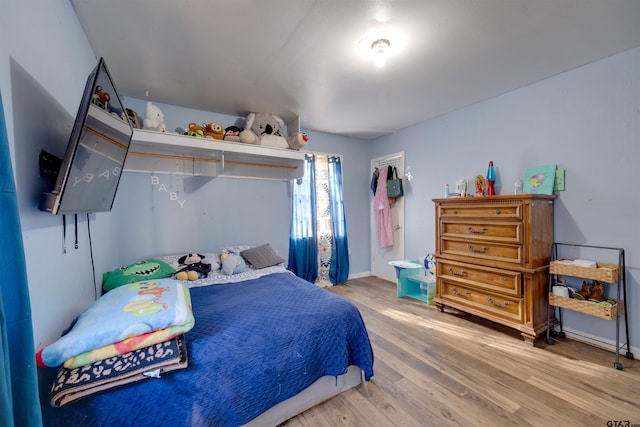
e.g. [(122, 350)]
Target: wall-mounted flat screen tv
[(90, 171)]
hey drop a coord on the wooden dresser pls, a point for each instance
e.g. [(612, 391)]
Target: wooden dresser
[(493, 258)]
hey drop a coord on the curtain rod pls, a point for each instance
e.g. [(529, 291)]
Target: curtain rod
[(323, 154)]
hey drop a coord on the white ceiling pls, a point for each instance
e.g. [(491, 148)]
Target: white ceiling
[(300, 58)]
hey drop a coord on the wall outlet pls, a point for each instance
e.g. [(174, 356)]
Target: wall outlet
[(558, 182)]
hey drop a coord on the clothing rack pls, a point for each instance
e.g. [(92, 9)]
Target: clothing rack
[(395, 161)]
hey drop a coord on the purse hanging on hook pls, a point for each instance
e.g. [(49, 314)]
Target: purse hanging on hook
[(394, 184)]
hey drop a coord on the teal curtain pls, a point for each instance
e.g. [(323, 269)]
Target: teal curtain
[(303, 238), (339, 268), (19, 400)]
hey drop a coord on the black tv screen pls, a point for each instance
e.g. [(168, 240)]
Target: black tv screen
[(90, 171)]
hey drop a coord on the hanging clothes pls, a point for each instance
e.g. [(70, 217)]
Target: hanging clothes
[(374, 181), (382, 211)]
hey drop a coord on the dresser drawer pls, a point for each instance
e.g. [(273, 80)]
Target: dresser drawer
[(507, 232), (478, 300), (507, 211), (484, 250), (486, 278)]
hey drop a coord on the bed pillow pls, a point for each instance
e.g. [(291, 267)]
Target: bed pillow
[(144, 270), (262, 256)]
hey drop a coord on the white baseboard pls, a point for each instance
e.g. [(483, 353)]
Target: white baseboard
[(359, 275), (600, 342)]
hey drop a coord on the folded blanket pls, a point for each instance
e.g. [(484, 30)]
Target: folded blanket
[(121, 313), (129, 344), (148, 362)]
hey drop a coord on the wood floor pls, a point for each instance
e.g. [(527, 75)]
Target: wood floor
[(439, 369)]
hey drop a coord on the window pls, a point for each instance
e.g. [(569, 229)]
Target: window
[(318, 248)]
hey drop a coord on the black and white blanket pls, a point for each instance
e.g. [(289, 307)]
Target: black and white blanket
[(148, 362)]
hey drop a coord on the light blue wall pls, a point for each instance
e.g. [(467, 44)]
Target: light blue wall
[(586, 121), (222, 211)]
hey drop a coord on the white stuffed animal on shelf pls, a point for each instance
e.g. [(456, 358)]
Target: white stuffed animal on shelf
[(153, 118), (268, 130)]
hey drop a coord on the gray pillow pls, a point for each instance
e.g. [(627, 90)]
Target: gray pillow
[(262, 256)]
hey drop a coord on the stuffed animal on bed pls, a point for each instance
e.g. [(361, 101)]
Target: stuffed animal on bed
[(149, 269), (232, 263), (192, 267), (268, 130)]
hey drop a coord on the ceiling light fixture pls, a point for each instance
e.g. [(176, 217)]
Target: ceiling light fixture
[(380, 48)]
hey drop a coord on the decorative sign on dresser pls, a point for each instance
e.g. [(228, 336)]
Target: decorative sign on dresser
[(493, 257)]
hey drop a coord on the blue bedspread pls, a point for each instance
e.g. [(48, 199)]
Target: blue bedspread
[(254, 344)]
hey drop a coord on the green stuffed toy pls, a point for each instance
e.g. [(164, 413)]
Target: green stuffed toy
[(143, 270)]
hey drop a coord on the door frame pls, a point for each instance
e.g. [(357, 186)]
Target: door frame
[(379, 266)]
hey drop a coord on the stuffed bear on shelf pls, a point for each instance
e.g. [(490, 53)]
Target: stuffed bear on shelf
[(213, 130), (153, 118)]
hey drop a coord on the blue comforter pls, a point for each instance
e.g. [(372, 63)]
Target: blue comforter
[(254, 344)]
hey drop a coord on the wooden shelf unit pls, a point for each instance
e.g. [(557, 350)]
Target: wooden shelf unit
[(609, 274)]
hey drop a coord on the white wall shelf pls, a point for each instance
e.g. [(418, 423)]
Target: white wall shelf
[(185, 155)]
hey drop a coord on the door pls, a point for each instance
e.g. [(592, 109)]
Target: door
[(380, 257)]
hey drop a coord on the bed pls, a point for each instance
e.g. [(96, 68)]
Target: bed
[(266, 345)]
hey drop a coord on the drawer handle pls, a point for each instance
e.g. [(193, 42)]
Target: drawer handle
[(472, 231), (455, 211), (495, 304), (478, 251), (457, 273), (497, 211), (460, 294)]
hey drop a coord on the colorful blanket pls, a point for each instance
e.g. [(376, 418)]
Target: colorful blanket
[(130, 344), (124, 312), (148, 362)]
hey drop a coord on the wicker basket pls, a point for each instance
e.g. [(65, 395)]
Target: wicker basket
[(603, 272), (592, 308)]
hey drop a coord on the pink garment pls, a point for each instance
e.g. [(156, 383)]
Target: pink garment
[(382, 211)]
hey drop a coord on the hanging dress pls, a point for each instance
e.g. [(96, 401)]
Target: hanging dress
[(382, 212)]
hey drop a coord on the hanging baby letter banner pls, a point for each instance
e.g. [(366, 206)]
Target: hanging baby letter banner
[(171, 192)]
